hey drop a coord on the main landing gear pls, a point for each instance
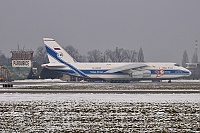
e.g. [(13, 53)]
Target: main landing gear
[(157, 81), (120, 81)]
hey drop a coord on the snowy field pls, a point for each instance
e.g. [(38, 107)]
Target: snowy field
[(89, 112), (99, 112)]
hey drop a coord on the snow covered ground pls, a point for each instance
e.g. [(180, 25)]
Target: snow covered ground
[(100, 112), (161, 98)]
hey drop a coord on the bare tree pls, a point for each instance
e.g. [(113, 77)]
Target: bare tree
[(185, 59), (3, 59), (140, 55), (110, 56), (132, 56), (95, 56), (41, 57), (121, 55), (74, 53)]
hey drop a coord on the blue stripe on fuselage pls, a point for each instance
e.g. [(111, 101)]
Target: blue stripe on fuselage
[(69, 71), (166, 72)]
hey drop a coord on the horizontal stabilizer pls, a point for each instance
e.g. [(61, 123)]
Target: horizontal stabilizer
[(54, 65)]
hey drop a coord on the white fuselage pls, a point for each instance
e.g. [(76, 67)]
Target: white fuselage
[(155, 71)]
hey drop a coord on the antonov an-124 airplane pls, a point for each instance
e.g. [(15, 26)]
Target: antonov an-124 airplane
[(61, 61)]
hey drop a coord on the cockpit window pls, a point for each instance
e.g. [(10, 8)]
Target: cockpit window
[(176, 65)]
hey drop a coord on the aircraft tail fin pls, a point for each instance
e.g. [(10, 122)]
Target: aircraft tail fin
[(56, 53), (58, 57)]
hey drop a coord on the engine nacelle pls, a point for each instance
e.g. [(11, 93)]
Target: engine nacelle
[(141, 74)]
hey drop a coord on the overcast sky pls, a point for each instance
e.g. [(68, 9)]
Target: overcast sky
[(163, 28)]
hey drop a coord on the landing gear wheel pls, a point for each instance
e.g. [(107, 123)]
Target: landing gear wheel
[(169, 81), (156, 81)]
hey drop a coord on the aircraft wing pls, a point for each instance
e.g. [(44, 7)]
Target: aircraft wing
[(126, 67)]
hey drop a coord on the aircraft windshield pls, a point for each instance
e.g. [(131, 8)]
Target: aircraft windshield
[(176, 65)]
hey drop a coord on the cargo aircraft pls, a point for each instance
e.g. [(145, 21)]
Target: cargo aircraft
[(61, 61)]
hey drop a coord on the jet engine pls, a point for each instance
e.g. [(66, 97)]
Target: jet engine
[(141, 74)]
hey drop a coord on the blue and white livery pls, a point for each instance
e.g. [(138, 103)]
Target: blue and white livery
[(60, 60)]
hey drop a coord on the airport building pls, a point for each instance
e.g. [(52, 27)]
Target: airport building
[(22, 63), (22, 58)]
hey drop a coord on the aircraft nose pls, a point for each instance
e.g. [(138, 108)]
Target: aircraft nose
[(189, 72)]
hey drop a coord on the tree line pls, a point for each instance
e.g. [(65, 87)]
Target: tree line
[(116, 55)]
